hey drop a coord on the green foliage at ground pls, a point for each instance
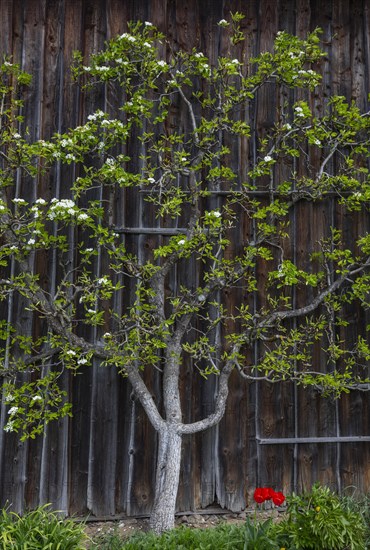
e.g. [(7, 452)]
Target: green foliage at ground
[(316, 520), (40, 529)]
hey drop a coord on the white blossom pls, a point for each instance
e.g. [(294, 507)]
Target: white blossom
[(107, 335), (181, 242), (82, 361), (98, 114), (40, 201), (151, 180), (70, 352), (267, 158), (9, 398), (82, 216), (148, 24), (19, 201), (66, 142), (17, 136), (13, 410), (128, 37), (162, 63), (223, 22), (216, 213), (299, 111), (37, 398), (31, 241), (9, 426)]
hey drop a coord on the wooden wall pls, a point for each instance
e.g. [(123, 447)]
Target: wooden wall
[(101, 461)]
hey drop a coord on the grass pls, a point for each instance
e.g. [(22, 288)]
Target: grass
[(40, 529), (222, 537)]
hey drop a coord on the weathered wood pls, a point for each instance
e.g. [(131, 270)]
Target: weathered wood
[(101, 461)]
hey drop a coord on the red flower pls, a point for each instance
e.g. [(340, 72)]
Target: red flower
[(262, 493), (259, 495), (278, 498)]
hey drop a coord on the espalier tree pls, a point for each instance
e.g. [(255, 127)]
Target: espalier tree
[(180, 174)]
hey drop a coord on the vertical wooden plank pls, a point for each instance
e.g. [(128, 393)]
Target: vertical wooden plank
[(71, 101)]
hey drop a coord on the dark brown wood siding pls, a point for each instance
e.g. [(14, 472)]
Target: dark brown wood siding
[(101, 460)]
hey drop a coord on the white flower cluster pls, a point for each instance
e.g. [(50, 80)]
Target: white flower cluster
[(305, 74), (66, 142), (96, 116), (103, 280), (65, 207), (213, 214), (128, 37), (61, 207), (9, 426), (299, 111), (116, 124)]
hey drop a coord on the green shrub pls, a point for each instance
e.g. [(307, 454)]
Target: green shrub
[(40, 529), (222, 537), (107, 541), (361, 505), (260, 535), (321, 520)]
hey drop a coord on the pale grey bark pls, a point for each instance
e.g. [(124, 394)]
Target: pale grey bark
[(167, 479)]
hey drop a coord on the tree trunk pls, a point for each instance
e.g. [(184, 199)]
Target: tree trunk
[(167, 479)]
